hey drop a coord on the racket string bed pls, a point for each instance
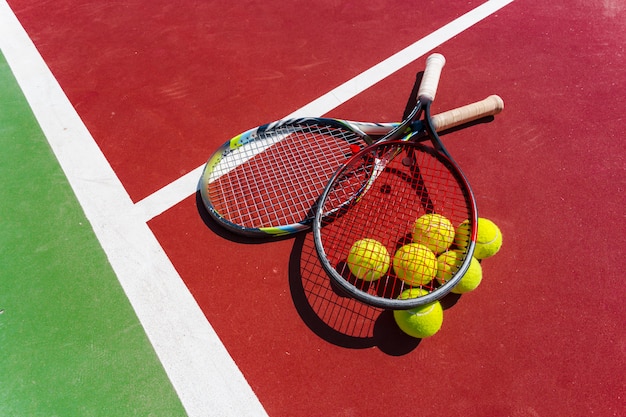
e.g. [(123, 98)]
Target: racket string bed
[(416, 181), (277, 178)]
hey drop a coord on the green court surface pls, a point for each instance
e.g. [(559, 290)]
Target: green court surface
[(70, 343)]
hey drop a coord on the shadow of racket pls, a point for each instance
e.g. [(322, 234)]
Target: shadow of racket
[(335, 317)]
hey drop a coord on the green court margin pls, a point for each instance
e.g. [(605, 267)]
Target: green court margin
[(70, 342)]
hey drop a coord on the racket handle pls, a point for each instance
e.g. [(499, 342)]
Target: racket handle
[(430, 79), (490, 106)]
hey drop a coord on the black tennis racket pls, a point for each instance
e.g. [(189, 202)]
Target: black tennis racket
[(266, 180), (388, 213)]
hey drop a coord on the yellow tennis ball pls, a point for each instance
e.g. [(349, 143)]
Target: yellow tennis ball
[(368, 259), (449, 262), (421, 322), (488, 239), (415, 264), (433, 231)]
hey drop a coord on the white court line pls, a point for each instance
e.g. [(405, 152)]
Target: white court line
[(183, 187), (202, 372)]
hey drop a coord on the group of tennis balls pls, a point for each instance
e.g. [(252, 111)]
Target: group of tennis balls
[(436, 252)]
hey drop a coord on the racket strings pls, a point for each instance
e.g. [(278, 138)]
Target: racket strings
[(276, 178), (416, 182)]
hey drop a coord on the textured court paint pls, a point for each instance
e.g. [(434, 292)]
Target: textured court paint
[(70, 343), (544, 353)]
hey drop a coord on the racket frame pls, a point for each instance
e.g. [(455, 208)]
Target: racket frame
[(348, 288), (443, 156), (365, 131)]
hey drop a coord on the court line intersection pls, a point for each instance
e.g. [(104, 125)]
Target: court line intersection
[(201, 370)]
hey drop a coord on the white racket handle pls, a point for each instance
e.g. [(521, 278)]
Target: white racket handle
[(430, 79), (490, 106)]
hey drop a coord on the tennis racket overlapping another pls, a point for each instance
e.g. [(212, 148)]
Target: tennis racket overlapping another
[(265, 181), (389, 212)]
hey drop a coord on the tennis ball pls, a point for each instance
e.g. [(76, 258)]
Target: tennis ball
[(421, 322), (433, 231), (368, 259), (488, 239), (415, 264), (449, 262)]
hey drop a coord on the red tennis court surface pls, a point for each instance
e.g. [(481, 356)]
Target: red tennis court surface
[(161, 84)]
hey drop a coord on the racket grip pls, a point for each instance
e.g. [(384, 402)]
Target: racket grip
[(430, 79), (490, 106)]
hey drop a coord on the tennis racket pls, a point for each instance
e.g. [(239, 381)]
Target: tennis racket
[(366, 229), (266, 180)]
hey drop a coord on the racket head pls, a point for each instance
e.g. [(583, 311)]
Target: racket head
[(265, 181), (381, 201)]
